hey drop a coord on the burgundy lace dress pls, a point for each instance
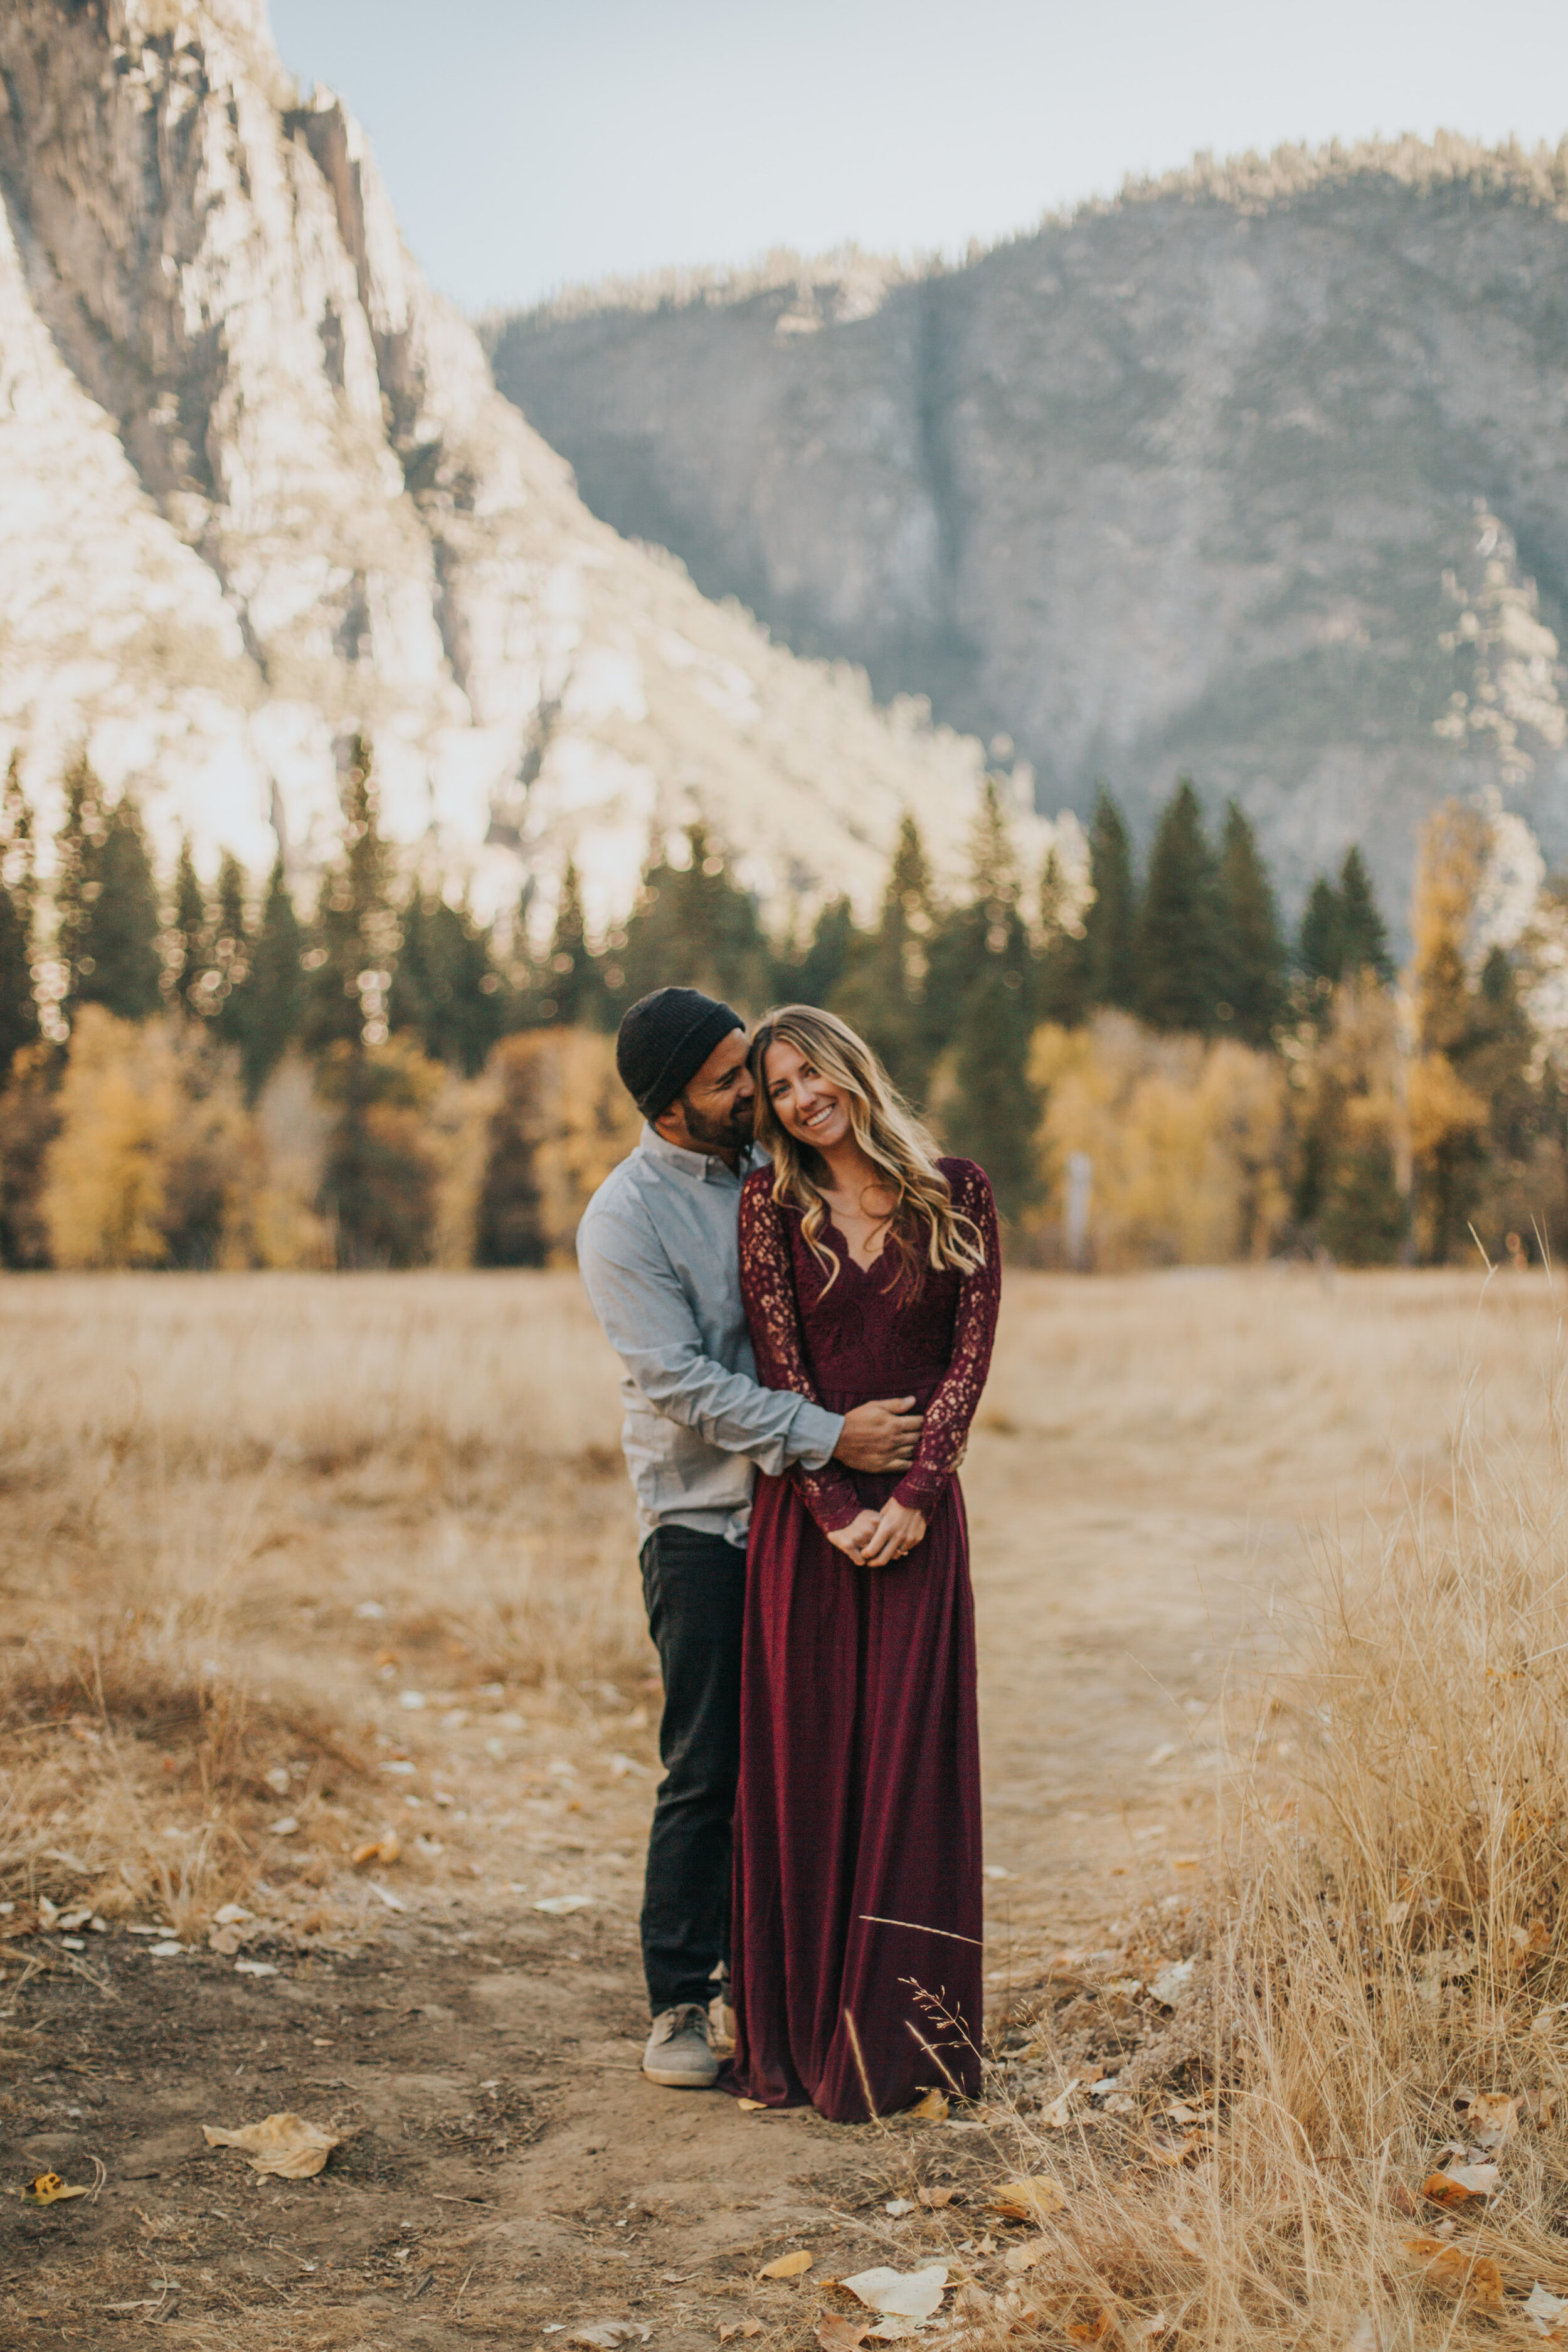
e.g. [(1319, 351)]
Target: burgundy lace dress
[(857, 1910)]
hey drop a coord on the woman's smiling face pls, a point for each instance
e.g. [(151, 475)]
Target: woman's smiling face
[(807, 1106)]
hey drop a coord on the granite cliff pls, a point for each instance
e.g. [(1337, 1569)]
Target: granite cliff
[(1260, 473), (258, 491)]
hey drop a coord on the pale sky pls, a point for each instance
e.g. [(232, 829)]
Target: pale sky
[(528, 146)]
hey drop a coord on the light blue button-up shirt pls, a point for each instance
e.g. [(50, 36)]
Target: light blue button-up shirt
[(659, 1254)]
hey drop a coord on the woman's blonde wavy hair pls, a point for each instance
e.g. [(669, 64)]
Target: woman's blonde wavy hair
[(924, 1229)]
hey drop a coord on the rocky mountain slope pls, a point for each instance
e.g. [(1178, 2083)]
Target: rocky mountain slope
[(1259, 473), (258, 491)]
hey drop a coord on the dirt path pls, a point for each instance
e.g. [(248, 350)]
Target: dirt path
[(506, 2167)]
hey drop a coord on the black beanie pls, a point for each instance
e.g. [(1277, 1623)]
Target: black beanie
[(665, 1039)]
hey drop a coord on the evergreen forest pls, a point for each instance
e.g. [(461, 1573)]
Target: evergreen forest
[(208, 1072)]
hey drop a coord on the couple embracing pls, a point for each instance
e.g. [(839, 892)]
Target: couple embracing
[(804, 1298)]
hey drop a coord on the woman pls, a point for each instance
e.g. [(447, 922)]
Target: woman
[(870, 1267)]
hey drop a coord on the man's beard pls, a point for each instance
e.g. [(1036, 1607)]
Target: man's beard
[(731, 1133)]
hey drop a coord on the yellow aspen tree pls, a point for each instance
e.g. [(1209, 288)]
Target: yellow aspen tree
[(1448, 1116)]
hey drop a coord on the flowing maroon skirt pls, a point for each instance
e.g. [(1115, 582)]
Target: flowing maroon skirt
[(855, 1957)]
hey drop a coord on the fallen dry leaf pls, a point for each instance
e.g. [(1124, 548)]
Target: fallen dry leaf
[(605, 2334), (739, 2327), (936, 2201), (897, 2207), (1539, 2106), (1034, 2199), (752, 2106), (1171, 1981), (788, 2266), (1463, 2272), (1022, 2257), (1490, 2116), (1185, 2239), (1460, 2182), (932, 2109), (1092, 2330), (836, 2334), (560, 1906), (381, 1849), (1166, 2148), (1150, 2330), (49, 2189), (1527, 1944), (1059, 2114), (284, 2145), (904, 2295), (1539, 2304)]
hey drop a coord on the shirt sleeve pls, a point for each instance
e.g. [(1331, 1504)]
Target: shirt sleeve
[(647, 1319), (773, 1314), (945, 1433)]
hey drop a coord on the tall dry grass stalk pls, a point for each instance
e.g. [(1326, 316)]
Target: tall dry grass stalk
[(1382, 1988)]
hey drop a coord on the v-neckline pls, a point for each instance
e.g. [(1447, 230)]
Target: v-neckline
[(842, 1238)]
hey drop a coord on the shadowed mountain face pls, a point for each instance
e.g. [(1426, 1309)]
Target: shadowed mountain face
[(258, 491), (1266, 480)]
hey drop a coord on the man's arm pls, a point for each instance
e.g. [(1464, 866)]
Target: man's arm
[(647, 1319)]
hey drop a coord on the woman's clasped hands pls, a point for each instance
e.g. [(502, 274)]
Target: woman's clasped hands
[(878, 1538)]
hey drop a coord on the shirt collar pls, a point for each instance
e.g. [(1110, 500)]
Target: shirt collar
[(701, 1167)]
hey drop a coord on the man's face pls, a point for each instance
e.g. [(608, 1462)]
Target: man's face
[(716, 1108)]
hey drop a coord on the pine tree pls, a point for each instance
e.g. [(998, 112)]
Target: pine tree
[(982, 967), (1363, 935), (883, 994), (77, 881), (574, 990), (189, 963), (353, 954), (1177, 947), (446, 988), (819, 975), (1320, 941), (1061, 981), (230, 958), (1110, 922), (118, 965), (19, 1004), (273, 996), (694, 927), (1251, 951)]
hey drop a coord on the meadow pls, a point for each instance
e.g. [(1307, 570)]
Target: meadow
[(300, 1569)]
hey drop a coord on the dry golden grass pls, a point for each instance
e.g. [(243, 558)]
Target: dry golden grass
[(1383, 1937), (209, 1478)]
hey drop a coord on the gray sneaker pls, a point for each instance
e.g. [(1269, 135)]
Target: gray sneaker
[(679, 2053)]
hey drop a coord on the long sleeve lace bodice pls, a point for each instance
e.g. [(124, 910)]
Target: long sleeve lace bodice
[(844, 1342), (773, 1317)]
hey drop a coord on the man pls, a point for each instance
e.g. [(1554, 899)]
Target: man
[(659, 1256)]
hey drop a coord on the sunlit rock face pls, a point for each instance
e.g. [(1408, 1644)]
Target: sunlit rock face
[(258, 491), (1260, 474)]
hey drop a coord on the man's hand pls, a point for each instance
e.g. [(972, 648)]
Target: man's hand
[(881, 1436)]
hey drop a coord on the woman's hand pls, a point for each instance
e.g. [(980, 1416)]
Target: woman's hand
[(854, 1539), (897, 1531)]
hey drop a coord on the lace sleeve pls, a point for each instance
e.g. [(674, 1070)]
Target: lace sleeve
[(773, 1317), (946, 1430)]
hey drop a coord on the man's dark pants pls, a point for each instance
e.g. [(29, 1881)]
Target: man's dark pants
[(694, 1585)]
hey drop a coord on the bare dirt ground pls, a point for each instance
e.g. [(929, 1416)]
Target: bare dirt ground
[(433, 1631)]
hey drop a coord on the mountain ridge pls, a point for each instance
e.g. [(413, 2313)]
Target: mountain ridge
[(1205, 477), (258, 494)]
